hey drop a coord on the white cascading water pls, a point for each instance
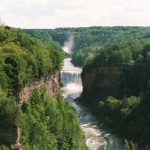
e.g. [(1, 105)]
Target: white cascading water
[(95, 136)]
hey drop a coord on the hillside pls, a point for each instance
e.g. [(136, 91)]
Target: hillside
[(118, 93), (42, 120)]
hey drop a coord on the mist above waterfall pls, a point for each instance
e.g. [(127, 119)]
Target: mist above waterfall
[(69, 44)]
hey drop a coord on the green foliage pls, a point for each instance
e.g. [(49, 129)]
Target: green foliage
[(49, 123), (124, 43), (24, 59), (128, 116), (8, 109), (92, 40), (45, 38), (116, 56), (4, 148)]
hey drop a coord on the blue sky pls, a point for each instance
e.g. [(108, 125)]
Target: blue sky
[(74, 13)]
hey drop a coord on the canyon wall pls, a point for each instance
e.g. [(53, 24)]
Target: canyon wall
[(101, 79), (117, 81), (52, 83)]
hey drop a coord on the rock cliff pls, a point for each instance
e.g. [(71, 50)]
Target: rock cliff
[(102, 79), (118, 81), (52, 83)]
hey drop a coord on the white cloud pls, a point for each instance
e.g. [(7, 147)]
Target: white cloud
[(61, 13)]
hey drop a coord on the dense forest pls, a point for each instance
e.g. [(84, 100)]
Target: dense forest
[(45, 121), (50, 124), (88, 42), (25, 59)]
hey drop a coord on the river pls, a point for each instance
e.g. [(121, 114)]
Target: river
[(96, 136)]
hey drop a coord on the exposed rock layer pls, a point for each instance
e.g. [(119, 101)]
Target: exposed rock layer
[(118, 81), (52, 84)]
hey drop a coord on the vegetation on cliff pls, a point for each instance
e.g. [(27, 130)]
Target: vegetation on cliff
[(94, 40), (127, 112), (8, 109), (128, 117), (23, 60), (50, 123)]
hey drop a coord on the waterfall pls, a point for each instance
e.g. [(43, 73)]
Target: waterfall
[(71, 80), (72, 76)]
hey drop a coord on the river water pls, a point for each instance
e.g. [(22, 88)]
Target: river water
[(96, 137)]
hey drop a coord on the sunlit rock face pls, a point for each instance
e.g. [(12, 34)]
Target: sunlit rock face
[(51, 83)]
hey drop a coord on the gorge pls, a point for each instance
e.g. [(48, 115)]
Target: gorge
[(104, 99)]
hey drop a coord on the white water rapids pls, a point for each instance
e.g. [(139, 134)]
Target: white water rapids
[(96, 137)]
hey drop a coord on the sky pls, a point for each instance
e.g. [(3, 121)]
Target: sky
[(74, 13)]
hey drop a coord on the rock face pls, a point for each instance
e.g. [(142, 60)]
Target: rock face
[(102, 79), (117, 81), (52, 84)]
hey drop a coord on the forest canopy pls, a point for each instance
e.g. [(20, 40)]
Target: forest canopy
[(90, 41), (24, 59), (50, 123)]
